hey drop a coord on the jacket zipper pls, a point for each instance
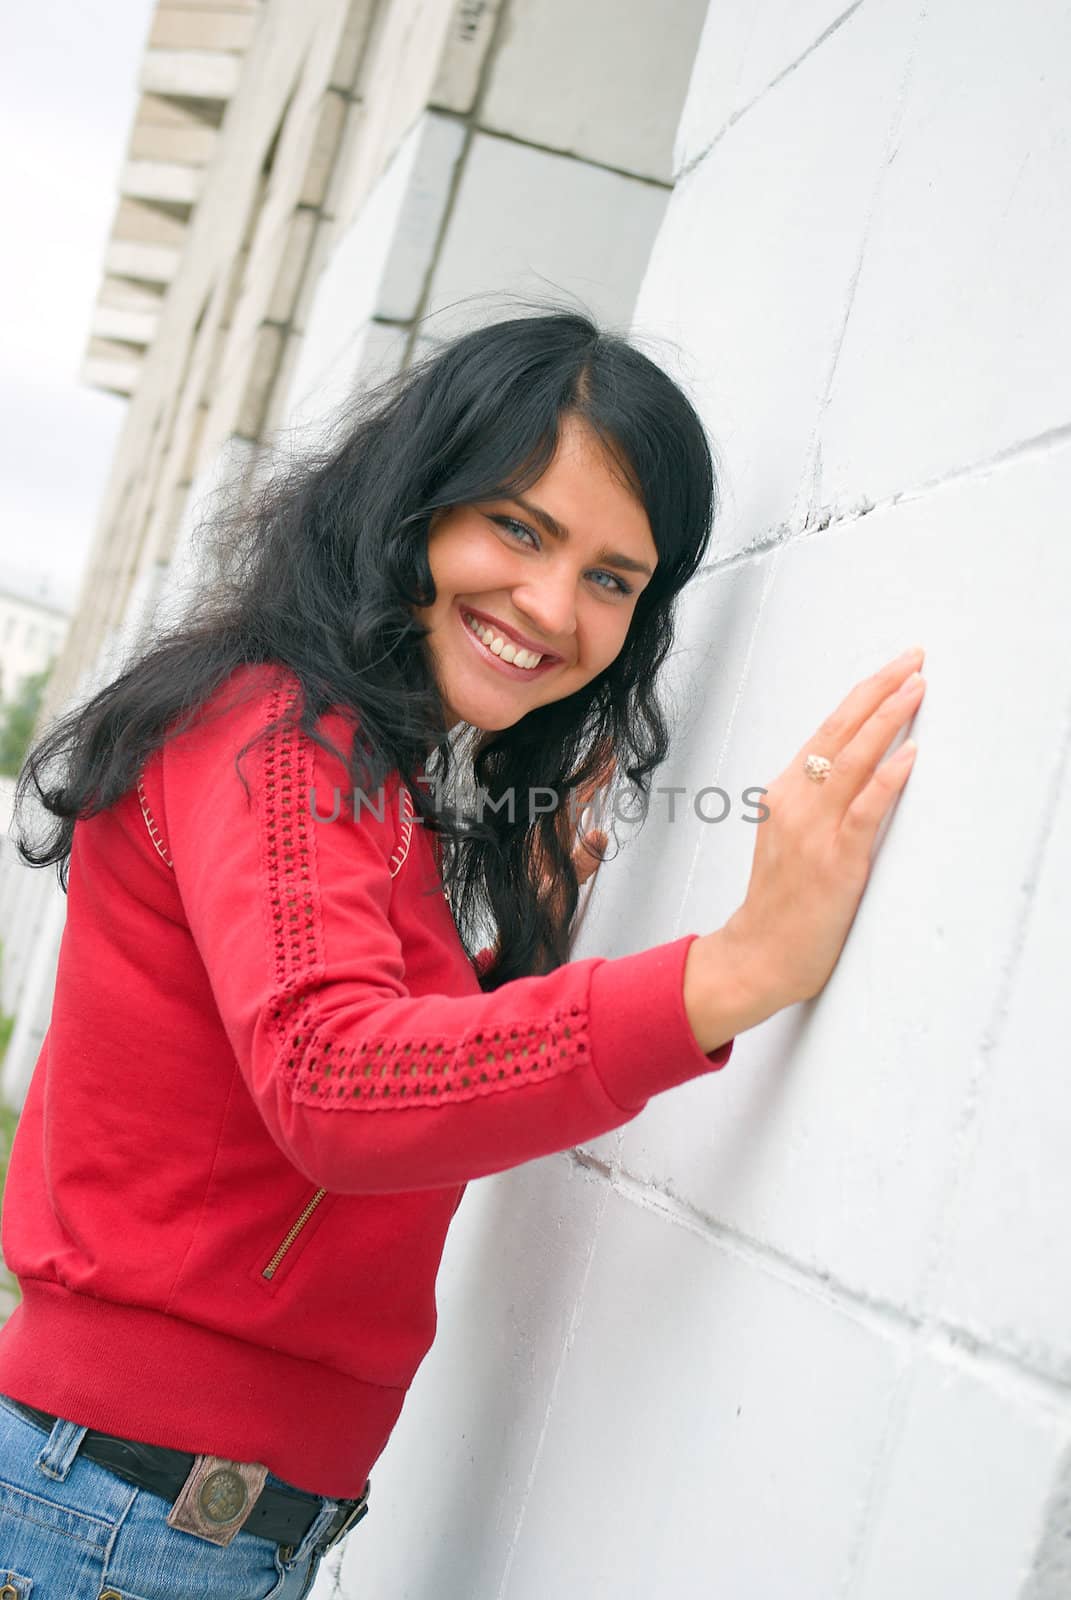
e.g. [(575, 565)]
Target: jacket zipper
[(270, 1269)]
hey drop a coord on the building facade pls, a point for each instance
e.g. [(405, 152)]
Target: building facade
[(803, 1329), (32, 630)]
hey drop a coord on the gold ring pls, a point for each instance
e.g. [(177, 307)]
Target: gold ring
[(817, 768)]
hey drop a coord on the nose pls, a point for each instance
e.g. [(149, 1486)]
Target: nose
[(548, 606)]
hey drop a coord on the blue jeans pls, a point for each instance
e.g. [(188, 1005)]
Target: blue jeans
[(72, 1530)]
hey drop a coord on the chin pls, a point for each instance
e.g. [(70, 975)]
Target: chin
[(490, 723)]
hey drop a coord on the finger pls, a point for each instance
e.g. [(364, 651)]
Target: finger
[(860, 704), (863, 818), (857, 763)]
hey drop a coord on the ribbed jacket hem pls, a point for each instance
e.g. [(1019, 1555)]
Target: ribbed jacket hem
[(143, 1375)]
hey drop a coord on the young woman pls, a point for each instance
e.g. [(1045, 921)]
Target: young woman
[(315, 973)]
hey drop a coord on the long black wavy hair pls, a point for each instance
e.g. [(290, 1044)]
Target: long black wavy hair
[(319, 567)]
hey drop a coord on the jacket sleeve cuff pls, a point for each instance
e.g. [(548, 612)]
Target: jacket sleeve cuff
[(641, 1039)]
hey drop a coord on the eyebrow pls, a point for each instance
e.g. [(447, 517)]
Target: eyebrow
[(558, 530)]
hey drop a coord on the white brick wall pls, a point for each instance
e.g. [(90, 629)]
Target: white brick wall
[(529, 222), (965, 263), (599, 80), (802, 1329)]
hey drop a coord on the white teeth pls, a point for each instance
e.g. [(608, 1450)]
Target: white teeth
[(519, 656)]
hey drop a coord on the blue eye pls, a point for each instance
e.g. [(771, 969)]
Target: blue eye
[(513, 525), (527, 535)]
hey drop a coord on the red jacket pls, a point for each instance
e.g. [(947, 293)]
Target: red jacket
[(269, 1072)]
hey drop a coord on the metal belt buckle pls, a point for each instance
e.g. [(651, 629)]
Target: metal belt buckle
[(217, 1497), (352, 1517)]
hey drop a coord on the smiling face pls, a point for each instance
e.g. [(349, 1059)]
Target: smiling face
[(554, 570)]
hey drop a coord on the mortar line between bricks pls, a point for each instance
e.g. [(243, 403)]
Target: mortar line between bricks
[(1039, 444), (838, 22), (774, 1262), (665, 185), (959, 1348), (880, 1315), (813, 467)]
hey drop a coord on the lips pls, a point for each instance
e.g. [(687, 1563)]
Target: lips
[(489, 657), (510, 633)]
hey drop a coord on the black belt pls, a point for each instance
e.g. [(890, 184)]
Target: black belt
[(284, 1515)]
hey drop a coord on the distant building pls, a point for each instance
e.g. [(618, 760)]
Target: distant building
[(33, 627)]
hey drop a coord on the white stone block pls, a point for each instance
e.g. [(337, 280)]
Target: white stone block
[(151, 141), (712, 1432), (650, 863), (837, 1124), (132, 327), (276, 266), (397, 72), (437, 144), (752, 272), (262, 365), (349, 286), (972, 1462), (320, 146), (195, 74), (113, 374), (373, 353), (143, 223), (209, 494), (464, 53), (191, 28), (958, 345), (352, 43), (382, 352), (154, 141), (1006, 1249), (156, 263), (327, 234), (378, 266), (587, 80), (126, 294), (526, 222), (450, 1487), (169, 181), (745, 49)]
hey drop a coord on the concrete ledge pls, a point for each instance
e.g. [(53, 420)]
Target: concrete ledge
[(201, 28), (131, 327), (157, 263), (160, 180), (121, 377), (198, 74)]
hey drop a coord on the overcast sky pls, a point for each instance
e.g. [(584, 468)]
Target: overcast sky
[(68, 90)]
